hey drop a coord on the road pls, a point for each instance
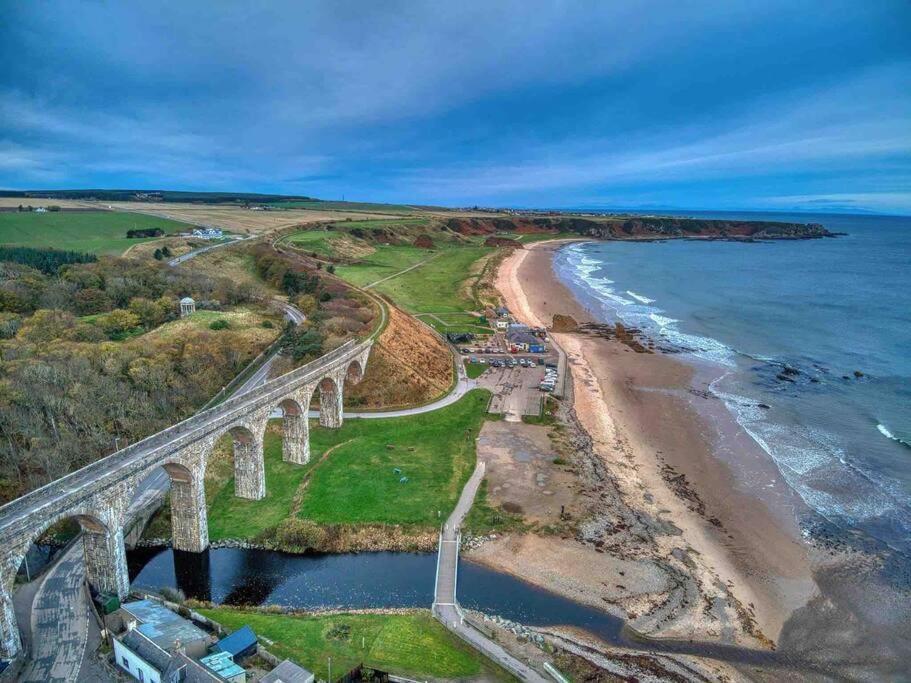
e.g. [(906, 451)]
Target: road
[(62, 629), (196, 252), (445, 602)]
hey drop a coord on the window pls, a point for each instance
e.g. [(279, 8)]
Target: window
[(141, 677), (126, 663)]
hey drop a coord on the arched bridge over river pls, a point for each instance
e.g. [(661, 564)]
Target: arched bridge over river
[(98, 495)]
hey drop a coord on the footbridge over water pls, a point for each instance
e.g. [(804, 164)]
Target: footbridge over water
[(98, 496)]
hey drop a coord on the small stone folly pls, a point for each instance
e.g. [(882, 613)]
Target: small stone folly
[(187, 307)]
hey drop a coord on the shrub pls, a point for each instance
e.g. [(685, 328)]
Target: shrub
[(300, 534), (119, 320), (268, 324), (220, 324)]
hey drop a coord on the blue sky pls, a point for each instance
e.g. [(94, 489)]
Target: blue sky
[(729, 105)]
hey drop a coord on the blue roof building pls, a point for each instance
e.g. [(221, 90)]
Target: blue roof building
[(222, 664), (239, 644)]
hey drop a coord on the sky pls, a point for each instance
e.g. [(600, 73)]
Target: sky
[(764, 105)]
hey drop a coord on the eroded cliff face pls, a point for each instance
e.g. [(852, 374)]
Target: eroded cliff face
[(639, 227)]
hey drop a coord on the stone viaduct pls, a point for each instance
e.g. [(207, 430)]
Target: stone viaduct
[(98, 495)]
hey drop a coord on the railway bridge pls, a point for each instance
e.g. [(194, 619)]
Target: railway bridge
[(97, 496)]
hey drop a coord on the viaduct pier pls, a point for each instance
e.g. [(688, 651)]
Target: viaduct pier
[(98, 495)]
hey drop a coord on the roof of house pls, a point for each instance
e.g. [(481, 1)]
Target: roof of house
[(187, 300), (287, 672), (162, 626), (520, 334), (187, 670), (144, 648), (240, 641), (222, 663)]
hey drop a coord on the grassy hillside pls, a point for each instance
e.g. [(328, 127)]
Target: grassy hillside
[(409, 365), (95, 232)]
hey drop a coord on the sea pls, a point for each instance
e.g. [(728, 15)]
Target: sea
[(811, 345)]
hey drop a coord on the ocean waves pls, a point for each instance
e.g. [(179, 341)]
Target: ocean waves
[(809, 413), (635, 309)]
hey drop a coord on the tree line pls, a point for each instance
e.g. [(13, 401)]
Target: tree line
[(47, 261)]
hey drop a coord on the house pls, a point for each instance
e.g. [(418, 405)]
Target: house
[(208, 233), (502, 324), (522, 337), (159, 645), (288, 672), (503, 312)]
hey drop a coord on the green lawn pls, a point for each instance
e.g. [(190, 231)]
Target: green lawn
[(410, 644), (96, 232), (319, 241), (456, 322), (475, 370), (437, 286), (232, 517), (385, 261), (356, 483)]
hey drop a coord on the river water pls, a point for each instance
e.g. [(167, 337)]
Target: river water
[(235, 576)]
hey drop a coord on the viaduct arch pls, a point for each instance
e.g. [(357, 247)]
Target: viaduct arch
[(98, 495)]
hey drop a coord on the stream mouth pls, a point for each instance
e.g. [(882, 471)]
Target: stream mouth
[(389, 580)]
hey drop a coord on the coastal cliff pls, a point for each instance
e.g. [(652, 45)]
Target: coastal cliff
[(640, 227)]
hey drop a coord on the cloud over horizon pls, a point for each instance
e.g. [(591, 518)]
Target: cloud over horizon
[(738, 105)]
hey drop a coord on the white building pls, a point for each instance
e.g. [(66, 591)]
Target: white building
[(187, 307), (208, 233)]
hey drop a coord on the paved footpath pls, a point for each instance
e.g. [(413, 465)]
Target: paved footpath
[(445, 605)]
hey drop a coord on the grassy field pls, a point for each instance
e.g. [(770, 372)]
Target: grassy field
[(345, 206), (436, 286), (455, 322), (409, 644), (96, 232), (357, 483), (232, 517)]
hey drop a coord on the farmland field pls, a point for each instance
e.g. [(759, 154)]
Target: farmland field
[(95, 232), (344, 206)]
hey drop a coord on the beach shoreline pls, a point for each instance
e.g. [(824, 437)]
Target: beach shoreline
[(662, 440)]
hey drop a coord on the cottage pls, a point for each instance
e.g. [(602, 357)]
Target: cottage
[(154, 636), (521, 337)]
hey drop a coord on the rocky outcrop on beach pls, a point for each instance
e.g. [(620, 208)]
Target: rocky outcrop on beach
[(639, 227)]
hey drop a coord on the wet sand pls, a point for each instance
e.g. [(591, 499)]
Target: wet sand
[(681, 463)]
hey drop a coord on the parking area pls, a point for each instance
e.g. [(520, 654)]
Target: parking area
[(518, 382)]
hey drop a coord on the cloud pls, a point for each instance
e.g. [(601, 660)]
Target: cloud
[(461, 103)]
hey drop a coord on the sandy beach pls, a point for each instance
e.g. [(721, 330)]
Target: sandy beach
[(733, 570)]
